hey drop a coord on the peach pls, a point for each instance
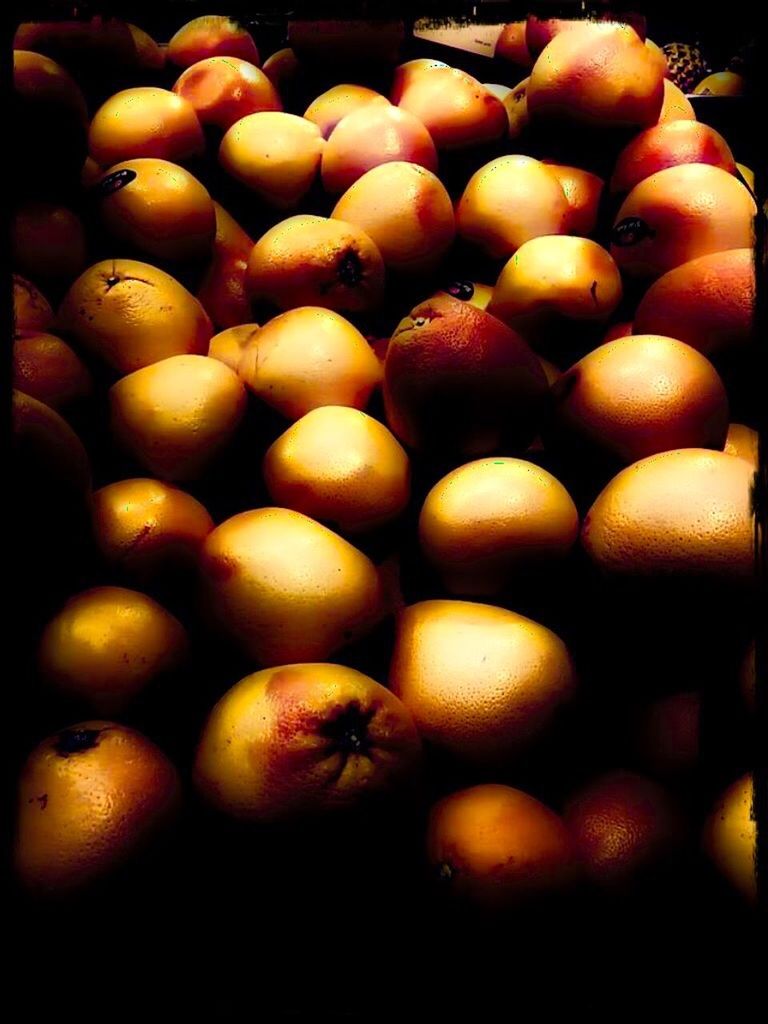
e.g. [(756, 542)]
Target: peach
[(516, 106), (407, 212), (48, 241), (229, 345), (309, 357), (48, 451), (454, 107), (211, 35), (583, 191), (47, 369), (509, 201), (145, 121), (288, 589), (370, 136), (223, 89), (308, 260), (335, 103), (678, 214), (458, 380), (304, 740), (176, 415), (676, 105), (31, 309), (276, 155), (512, 46), (708, 302), (281, 67), (668, 145), (405, 74), (597, 74)]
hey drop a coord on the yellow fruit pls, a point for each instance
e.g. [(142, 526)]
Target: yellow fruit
[(47, 369), (730, 837), (229, 345), (145, 121)]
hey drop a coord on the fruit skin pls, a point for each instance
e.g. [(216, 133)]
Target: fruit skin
[(339, 465), (516, 106), (31, 309), (487, 520), (507, 202), (147, 528), (647, 520), (493, 846), (211, 35), (708, 303), (48, 449), (622, 824), (229, 345), (177, 414), (481, 682), (281, 67), (145, 122), (676, 106), (224, 89), (679, 214), (315, 261), (730, 837), (132, 314), (108, 644), (511, 45), (222, 292), (669, 145), (90, 797), (637, 396), (335, 103), (47, 369), (159, 207), (722, 83), (287, 588), (48, 241), (301, 740), (458, 380), (742, 441), (294, 375), (407, 212), (583, 191)]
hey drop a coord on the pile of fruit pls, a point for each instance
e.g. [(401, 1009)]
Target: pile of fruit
[(424, 412)]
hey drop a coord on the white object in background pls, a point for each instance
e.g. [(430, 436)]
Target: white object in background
[(502, 91), (471, 38)]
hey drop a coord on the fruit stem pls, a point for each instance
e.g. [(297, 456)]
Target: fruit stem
[(75, 741)]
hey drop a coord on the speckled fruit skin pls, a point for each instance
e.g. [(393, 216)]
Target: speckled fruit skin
[(481, 682), (46, 368), (287, 588), (669, 145), (224, 89), (493, 847), (303, 740), (730, 837), (90, 797)]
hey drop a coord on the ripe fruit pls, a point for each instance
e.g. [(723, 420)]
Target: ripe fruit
[(222, 293), (583, 191), (304, 739), (511, 45), (405, 74), (648, 521), (407, 212), (458, 380), (288, 589), (722, 83), (493, 846), (211, 35), (481, 682), (276, 155), (49, 455), (90, 798), (676, 106), (46, 368), (48, 241), (375, 134), (281, 67), (509, 201), (145, 121), (131, 314), (107, 645), (147, 529), (730, 837), (31, 309), (331, 106), (708, 303), (597, 74), (516, 106), (679, 214), (229, 345), (622, 824), (486, 521), (742, 441), (454, 107), (339, 465), (669, 145), (176, 415), (157, 206), (640, 395), (223, 89), (314, 261), (309, 357)]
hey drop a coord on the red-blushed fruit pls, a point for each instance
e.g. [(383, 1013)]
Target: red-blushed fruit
[(147, 529), (315, 261), (211, 35), (743, 442), (669, 145), (709, 303), (679, 214), (107, 645), (622, 825), (730, 837), (539, 32), (458, 380), (224, 89), (622, 329), (481, 682), (583, 190), (456, 109), (493, 847), (637, 396), (304, 740), (48, 242), (91, 798), (647, 522), (405, 74), (511, 45), (288, 589), (487, 520), (335, 103), (229, 345), (668, 734), (31, 309), (340, 466), (47, 369), (281, 67)]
